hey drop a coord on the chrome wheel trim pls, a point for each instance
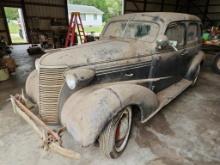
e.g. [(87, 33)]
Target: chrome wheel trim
[(196, 74), (124, 123), (218, 64)]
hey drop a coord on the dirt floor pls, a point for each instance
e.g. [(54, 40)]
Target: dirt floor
[(186, 132)]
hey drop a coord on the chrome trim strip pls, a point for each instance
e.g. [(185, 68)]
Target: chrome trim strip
[(122, 68)]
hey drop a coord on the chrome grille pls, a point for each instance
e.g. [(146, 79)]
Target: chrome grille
[(50, 83)]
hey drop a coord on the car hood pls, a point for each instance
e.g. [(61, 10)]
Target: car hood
[(91, 53)]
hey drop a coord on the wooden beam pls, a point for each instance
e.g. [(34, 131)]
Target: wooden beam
[(6, 25), (135, 4), (188, 5), (153, 3), (45, 17), (125, 5), (209, 5), (24, 13), (209, 13), (206, 11), (10, 3), (217, 12), (66, 12), (162, 5), (145, 5), (45, 4), (201, 12), (3, 31), (132, 11), (177, 5)]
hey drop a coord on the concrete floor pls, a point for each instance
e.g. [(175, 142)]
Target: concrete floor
[(186, 132)]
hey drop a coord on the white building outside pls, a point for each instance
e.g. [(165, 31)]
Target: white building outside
[(90, 15)]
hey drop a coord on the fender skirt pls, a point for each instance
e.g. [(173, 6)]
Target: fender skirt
[(86, 112), (194, 63)]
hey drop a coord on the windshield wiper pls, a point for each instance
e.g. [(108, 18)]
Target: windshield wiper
[(126, 26)]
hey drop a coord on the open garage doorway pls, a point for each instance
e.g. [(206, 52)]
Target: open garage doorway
[(16, 25), (95, 14)]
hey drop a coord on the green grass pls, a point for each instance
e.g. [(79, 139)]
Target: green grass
[(95, 29), (13, 27), (14, 33), (16, 38)]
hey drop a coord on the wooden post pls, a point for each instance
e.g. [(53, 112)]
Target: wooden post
[(145, 5)]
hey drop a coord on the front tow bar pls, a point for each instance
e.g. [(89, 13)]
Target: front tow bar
[(51, 139)]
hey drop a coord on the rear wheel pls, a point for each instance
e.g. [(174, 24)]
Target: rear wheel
[(114, 138), (196, 75), (216, 65)]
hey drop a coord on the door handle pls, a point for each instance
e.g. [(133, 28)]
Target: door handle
[(183, 53), (129, 74)]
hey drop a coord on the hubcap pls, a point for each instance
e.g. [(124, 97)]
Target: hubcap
[(196, 74), (122, 131), (218, 64)]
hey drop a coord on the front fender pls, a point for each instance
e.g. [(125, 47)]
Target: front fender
[(32, 86), (86, 112)]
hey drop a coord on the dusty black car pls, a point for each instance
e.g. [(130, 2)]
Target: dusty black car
[(141, 63)]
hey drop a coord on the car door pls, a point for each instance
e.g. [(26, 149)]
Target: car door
[(133, 68), (193, 36), (168, 63), (130, 69)]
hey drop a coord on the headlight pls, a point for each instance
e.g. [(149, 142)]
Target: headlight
[(78, 77), (37, 64), (71, 81)]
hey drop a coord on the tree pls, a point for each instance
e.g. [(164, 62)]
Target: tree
[(11, 13), (109, 7), (114, 7)]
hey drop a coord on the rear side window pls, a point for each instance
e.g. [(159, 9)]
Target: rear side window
[(192, 33), (176, 32)]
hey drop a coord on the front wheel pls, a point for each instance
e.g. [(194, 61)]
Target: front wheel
[(216, 65), (113, 140)]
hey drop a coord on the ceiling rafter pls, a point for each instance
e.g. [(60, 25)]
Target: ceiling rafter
[(201, 9)]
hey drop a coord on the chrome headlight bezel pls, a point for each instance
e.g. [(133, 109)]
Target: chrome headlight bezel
[(78, 77), (71, 81)]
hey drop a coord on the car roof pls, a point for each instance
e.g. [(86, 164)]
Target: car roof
[(165, 17)]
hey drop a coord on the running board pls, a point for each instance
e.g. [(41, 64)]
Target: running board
[(167, 95)]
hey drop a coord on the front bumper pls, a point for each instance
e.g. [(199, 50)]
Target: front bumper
[(51, 139)]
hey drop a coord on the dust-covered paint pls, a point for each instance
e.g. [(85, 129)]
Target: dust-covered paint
[(132, 56)]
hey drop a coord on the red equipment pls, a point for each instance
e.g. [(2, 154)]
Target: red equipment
[(75, 24)]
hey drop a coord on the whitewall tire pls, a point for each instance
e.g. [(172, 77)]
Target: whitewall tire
[(114, 138)]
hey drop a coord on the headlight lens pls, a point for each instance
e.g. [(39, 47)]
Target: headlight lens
[(37, 64), (71, 81)]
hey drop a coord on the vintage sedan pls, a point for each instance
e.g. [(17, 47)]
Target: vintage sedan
[(140, 64)]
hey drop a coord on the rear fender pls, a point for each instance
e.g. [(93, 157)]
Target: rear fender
[(86, 112)]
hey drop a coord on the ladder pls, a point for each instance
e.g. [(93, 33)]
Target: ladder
[(75, 24)]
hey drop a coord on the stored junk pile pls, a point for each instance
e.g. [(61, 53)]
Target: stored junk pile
[(7, 63)]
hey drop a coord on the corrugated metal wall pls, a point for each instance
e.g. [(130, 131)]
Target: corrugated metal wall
[(3, 28), (39, 15), (207, 10)]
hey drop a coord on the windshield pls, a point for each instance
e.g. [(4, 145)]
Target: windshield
[(132, 29)]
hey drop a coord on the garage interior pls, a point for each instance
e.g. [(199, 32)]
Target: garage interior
[(185, 132)]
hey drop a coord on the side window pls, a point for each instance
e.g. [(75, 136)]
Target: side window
[(200, 33), (176, 33), (192, 33), (199, 30)]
